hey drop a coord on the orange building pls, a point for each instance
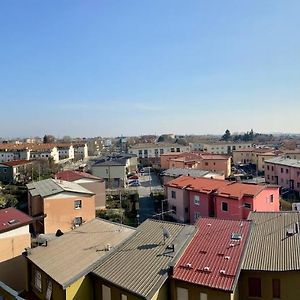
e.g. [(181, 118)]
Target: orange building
[(60, 205), (197, 160)]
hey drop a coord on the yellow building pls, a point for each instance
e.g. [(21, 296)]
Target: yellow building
[(59, 268), (271, 269), (139, 268)]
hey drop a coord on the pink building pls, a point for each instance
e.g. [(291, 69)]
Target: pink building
[(203, 197), (284, 172)]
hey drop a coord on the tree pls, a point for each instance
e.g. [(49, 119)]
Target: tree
[(226, 136), (8, 200), (48, 138)]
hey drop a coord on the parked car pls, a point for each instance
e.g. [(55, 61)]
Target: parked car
[(134, 183), (133, 177)]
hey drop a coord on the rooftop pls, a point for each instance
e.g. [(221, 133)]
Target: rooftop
[(238, 190), (270, 247), (214, 256), (156, 145), (74, 254), (149, 256), (12, 218), (221, 187), (205, 185), (175, 172), (284, 161), (75, 175), (13, 163), (49, 187)]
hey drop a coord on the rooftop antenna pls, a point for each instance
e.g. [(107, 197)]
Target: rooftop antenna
[(166, 234)]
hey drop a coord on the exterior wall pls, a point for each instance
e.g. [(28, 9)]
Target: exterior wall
[(225, 148), (98, 188), (154, 151), (181, 202), (245, 156), (13, 272), (116, 292), (58, 293), (13, 242), (285, 176), (35, 205), (216, 165), (165, 159), (61, 212), (289, 284), (262, 200), (6, 174), (237, 209), (81, 289), (66, 153), (111, 173), (9, 155), (203, 209), (195, 290)]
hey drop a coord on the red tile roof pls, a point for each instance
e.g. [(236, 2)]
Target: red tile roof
[(213, 259), (205, 185), (16, 163), (221, 187), (75, 175), (12, 218), (238, 190)]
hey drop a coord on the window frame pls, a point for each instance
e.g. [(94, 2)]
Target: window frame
[(222, 208), (198, 201), (78, 206), (38, 285)]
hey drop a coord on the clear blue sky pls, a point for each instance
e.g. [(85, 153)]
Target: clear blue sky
[(108, 67)]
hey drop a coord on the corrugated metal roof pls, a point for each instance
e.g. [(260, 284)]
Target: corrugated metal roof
[(49, 187), (213, 259), (270, 249), (141, 264), (68, 257)]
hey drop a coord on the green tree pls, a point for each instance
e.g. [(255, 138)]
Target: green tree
[(226, 136), (8, 200)]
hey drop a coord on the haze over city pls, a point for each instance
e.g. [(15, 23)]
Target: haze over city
[(136, 67)]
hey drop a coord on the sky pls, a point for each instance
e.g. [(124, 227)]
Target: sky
[(131, 67)]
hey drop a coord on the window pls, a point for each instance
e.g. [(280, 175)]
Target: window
[(272, 168), (173, 207), (224, 206), (281, 170), (186, 209), (271, 198), (276, 288), (172, 149), (197, 215), (203, 296), (161, 151), (49, 290), (173, 194), (298, 184), (247, 205), (268, 167), (197, 200), (287, 181), (123, 297), (77, 204), (182, 294), (106, 293), (254, 287), (206, 163), (38, 280), (77, 221), (268, 177), (177, 149), (286, 171)]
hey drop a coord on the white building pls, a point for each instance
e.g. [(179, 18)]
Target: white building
[(65, 151), (220, 147)]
